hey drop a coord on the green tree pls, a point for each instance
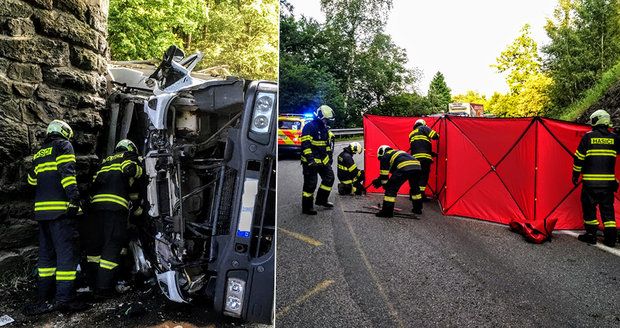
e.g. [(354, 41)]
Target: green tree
[(585, 42), (438, 93), (471, 97), (403, 104), (519, 60), (242, 34), (529, 86)]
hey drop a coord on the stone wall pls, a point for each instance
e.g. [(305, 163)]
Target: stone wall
[(53, 56)]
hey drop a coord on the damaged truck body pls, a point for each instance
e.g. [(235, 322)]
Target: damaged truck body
[(208, 145)]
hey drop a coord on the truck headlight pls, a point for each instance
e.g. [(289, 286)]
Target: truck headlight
[(263, 108), (235, 289)]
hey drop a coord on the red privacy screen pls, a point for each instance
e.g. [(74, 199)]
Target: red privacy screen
[(492, 169)]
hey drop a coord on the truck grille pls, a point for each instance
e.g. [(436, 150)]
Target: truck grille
[(225, 206)]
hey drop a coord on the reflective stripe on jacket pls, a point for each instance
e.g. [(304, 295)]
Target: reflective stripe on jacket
[(53, 175), (396, 160), (420, 142), (316, 143), (112, 182), (595, 158)]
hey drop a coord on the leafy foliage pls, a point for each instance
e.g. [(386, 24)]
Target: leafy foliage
[(242, 34), (438, 93), (585, 42), (349, 64)]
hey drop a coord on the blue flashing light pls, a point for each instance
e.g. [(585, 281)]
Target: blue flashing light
[(308, 115)]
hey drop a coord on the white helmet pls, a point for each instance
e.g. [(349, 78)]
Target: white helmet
[(356, 148), (600, 117), (419, 122), (382, 149), (324, 112), (60, 128)]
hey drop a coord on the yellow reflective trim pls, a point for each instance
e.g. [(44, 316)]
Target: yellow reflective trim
[(422, 188), (601, 152), (396, 153), (65, 159), (326, 160), (407, 163), (324, 187), (576, 168), (320, 143), (389, 199), (342, 167), (579, 155), (423, 138), (352, 167), (46, 272), (307, 151), (126, 163), (109, 200), (94, 259), (432, 134), (423, 155), (68, 181), (316, 160), (591, 222), (384, 172), (107, 264), (306, 138), (416, 197), (599, 177), (347, 182), (609, 224), (48, 166), (307, 194), (51, 206), (31, 180)]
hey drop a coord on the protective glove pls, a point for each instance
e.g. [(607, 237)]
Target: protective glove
[(575, 178), (74, 209), (377, 183)]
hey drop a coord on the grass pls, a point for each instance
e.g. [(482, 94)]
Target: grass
[(350, 138), (592, 95)]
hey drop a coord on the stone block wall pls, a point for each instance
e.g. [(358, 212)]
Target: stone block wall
[(53, 56)]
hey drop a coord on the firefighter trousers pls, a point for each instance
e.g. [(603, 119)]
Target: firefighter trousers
[(426, 171), (604, 199), (57, 260), (356, 187), (397, 179), (107, 235), (311, 174)]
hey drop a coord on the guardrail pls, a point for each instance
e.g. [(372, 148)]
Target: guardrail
[(347, 132)]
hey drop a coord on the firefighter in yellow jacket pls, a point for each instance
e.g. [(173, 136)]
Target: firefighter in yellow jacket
[(422, 149), (56, 205), (110, 202), (595, 162)]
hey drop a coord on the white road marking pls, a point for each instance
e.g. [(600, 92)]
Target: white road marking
[(576, 233)]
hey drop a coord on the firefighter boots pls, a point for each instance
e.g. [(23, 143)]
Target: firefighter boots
[(587, 237), (387, 210), (321, 198), (611, 234), (307, 207)]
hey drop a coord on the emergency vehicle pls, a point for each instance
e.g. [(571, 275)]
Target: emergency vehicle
[(289, 131)]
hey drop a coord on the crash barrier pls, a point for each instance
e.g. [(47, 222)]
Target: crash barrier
[(498, 170), (347, 132)]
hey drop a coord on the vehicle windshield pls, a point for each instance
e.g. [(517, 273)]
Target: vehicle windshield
[(289, 125)]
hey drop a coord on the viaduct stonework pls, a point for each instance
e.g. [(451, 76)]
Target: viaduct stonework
[(53, 56)]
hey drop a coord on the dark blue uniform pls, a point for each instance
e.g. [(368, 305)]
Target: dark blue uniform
[(53, 175), (595, 160), (402, 167), (351, 178), (316, 158), (422, 149), (110, 209)]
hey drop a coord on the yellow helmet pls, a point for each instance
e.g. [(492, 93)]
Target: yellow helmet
[(60, 128)]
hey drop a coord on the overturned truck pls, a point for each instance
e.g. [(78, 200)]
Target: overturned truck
[(208, 143)]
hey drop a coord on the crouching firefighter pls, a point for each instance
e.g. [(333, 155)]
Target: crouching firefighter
[(403, 167), (316, 159), (422, 149), (351, 178), (110, 212), (595, 161), (55, 208)]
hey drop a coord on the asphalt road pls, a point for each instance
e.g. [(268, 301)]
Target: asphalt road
[(340, 269)]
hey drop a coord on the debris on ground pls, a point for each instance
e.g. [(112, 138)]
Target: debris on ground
[(5, 320)]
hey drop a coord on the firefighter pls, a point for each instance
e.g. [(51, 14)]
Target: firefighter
[(57, 202), (403, 167), (595, 161), (351, 178), (422, 149), (316, 159), (110, 203)]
